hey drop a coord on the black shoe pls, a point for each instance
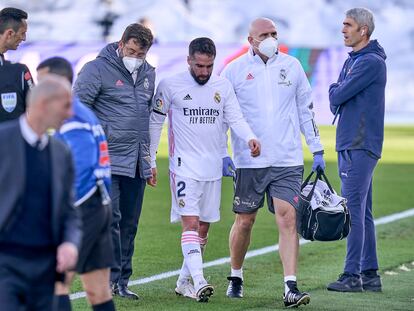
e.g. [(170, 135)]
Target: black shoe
[(204, 293), (294, 298), (347, 282), (114, 289), (371, 281), (235, 288), (124, 292)]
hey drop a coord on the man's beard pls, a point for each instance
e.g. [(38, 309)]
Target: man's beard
[(201, 82)]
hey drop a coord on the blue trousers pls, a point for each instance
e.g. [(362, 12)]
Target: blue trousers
[(127, 197), (27, 280), (356, 169)]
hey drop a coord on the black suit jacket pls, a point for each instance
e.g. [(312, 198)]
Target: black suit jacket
[(65, 218)]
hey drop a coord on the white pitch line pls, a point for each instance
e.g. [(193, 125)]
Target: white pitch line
[(250, 254)]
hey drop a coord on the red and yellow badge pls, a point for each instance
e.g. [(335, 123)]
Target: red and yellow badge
[(217, 97), (158, 104)]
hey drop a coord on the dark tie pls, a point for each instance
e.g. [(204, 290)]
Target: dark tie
[(37, 144)]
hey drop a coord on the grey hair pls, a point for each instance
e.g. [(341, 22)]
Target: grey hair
[(363, 17)]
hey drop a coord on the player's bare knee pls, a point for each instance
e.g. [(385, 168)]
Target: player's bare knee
[(286, 217), (245, 222), (98, 294)]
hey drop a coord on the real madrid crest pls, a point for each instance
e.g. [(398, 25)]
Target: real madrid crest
[(181, 203), (217, 97), (146, 83), (236, 201), (282, 74), (282, 78)]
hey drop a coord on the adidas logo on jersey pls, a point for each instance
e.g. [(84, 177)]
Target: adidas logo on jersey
[(187, 97), (249, 76)]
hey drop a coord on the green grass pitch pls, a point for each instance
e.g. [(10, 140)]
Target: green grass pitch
[(157, 246)]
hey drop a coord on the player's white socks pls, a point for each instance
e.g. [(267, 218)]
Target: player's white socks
[(289, 278), (185, 274), (203, 244), (237, 273), (190, 245)]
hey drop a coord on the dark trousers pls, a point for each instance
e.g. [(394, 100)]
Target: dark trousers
[(127, 197), (27, 280), (356, 169)]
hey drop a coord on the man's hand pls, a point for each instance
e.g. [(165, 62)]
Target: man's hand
[(318, 162), (152, 181), (255, 147), (228, 167), (66, 257)]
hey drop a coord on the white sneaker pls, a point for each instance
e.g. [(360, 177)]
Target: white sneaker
[(185, 289)]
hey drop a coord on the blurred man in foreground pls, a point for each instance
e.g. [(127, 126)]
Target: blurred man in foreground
[(39, 226)]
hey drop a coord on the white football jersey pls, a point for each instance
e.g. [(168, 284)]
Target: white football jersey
[(276, 100), (196, 123)]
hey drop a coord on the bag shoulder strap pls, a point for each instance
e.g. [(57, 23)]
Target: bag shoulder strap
[(326, 180), (306, 182)]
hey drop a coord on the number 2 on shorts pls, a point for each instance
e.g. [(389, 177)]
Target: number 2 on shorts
[(181, 187)]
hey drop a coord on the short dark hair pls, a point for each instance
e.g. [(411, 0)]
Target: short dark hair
[(140, 33), (59, 66), (203, 46), (11, 18)]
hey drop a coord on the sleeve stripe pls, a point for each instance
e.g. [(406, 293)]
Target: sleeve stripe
[(74, 126), (315, 128), (159, 112)]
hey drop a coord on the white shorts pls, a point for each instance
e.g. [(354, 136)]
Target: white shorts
[(190, 197)]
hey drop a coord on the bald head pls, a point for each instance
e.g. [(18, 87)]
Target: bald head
[(49, 87), (259, 24), (49, 103), (261, 29)]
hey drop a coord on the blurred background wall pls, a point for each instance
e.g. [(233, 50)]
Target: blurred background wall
[(308, 29)]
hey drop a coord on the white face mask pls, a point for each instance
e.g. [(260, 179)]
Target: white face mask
[(268, 47), (132, 63)]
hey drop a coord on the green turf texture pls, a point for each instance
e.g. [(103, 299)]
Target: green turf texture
[(157, 246)]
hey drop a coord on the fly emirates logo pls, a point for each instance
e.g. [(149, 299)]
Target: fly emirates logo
[(201, 115)]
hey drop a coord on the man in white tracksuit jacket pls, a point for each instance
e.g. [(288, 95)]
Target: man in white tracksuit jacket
[(275, 98)]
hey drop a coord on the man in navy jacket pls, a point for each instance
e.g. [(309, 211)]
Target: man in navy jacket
[(358, 98)]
